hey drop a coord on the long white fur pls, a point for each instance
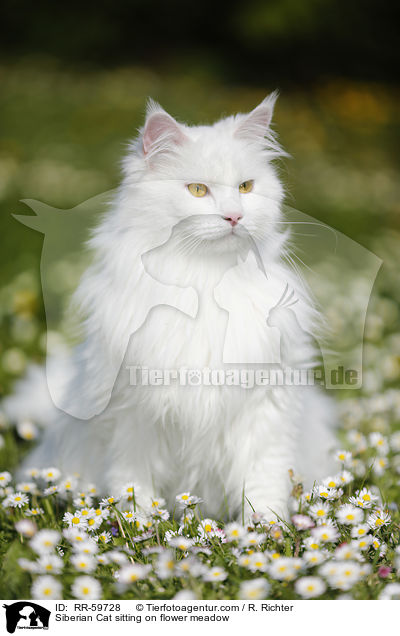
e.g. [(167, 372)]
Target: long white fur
[(217, 442)]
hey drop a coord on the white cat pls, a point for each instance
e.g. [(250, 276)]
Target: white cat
[(188, 262)]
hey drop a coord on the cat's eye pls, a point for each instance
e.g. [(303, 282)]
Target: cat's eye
[(197, 189), (246, 186)]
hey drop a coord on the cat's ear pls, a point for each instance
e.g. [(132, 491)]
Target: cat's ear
[(161, 132), (254, 126)]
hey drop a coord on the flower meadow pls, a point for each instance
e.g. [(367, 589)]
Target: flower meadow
[(60, 539)]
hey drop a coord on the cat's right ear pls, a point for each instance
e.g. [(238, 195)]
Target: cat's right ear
[(161, 132)]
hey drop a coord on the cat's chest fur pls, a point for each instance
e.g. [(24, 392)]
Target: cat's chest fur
[(228, 323)]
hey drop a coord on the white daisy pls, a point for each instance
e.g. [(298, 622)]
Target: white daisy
[(319, 510), (27, 486), (103, 537), (51, 490), (75, 520), (379, 442), (380, 465), (325, 534), (252, 539), (190, 566), (349, 515), (34, 512), (283, 569), (44, 541), (346, 552), (215, 574), (86, 587), (315, 557), (378, 518), (363, 543), (379, 546), (130, 491), (87, 546), (348, 574), (310, 586), (131, 573), (185, 499), (258, 562), (49, 564), (255, 589), (26, 429), (343, 456), (82, 501), (359, 531), (110, 501), (5, 478), (16, 500), (68, 485), (26, 527), (207, 528), (234, 531), (46, 587), (117, 556), (165, 566), (302, 522), (83, 562), (160, 514), (50, 474), (75, 535), (181, 543), (345, 477)]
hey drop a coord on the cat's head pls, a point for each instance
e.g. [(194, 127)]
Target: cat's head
[(215, 182)]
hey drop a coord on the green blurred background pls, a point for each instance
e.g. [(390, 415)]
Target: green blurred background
[(75, 79)]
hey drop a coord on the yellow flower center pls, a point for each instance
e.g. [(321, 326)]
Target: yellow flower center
[(207, 527), (47, 591), (75, 520), (366, 497)]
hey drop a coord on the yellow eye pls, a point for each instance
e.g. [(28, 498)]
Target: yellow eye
[(197, 189), (246, 186)]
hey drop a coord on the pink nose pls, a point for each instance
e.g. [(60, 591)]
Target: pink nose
[(233, 219)]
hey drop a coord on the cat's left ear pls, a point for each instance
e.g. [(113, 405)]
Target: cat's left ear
[(254, 126), (161, 132)]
